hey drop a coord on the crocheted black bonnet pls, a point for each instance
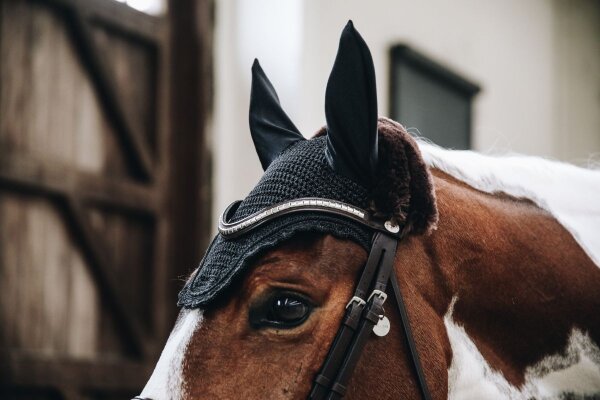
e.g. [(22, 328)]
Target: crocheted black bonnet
[(357, 159)]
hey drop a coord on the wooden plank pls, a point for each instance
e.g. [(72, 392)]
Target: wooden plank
[(189, 98), (28, 318), (57, 284), (30, 314), (132, 140), (15, 67), (68, 392), (55, 179), (110, 286), (13, 215), (163, 306), (48, 298), (41, 43), (133, 67), (84, 307), (19, 368), (67, 87), (48, 105)]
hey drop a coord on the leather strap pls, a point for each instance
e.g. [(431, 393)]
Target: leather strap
[(360, 318), (354, 311), (410, 341), (361, 315), (370, 317)]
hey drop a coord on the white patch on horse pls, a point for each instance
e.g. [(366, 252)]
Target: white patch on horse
[(166, 382), (575, 372), (571, 194)]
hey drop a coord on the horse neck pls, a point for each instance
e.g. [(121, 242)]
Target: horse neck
[(510, 271)]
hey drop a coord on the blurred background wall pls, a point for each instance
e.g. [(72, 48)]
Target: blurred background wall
[(124, 134)]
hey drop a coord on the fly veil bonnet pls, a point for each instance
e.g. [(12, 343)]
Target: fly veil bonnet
[(356, 160)]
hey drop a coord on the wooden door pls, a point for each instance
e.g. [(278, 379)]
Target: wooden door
[(92, 203)]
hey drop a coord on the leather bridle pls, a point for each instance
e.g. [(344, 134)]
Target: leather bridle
[(365, 310)]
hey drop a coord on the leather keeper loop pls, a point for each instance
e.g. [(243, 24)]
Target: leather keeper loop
[(323, 380), (372, 316), (339, 389)]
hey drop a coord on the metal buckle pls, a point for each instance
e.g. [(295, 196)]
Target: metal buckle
[(379, 294), (357, 300)]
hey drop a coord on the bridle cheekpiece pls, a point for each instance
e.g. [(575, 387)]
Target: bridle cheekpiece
[(364, 312)]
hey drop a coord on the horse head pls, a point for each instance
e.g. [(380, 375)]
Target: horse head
[(262, 315)]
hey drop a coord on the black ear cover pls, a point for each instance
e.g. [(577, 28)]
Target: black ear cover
[(272, 130), (351, 110)]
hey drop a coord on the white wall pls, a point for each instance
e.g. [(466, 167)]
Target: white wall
[(537, 61), (576, 90), (271, 31)]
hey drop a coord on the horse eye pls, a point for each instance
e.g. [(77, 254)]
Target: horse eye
[(287, 309), (281, 310)]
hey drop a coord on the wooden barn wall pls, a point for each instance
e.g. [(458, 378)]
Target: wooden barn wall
[(97, 225)]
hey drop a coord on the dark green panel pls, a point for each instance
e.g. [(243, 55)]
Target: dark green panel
[(431, 99)]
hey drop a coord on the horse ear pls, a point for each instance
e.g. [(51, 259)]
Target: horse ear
[(272, 130), (351, 110)]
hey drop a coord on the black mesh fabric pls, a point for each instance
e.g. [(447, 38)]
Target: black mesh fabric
[(300, 171)]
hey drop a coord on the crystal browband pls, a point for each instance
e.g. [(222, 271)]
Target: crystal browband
[(234, 229)]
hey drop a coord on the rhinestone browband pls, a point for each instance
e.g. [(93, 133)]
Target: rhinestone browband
[(233, 229)]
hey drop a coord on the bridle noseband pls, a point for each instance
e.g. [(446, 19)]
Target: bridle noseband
[(364, 311)]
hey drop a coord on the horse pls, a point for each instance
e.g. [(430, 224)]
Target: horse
[(497, 267)]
